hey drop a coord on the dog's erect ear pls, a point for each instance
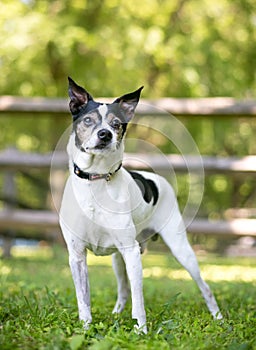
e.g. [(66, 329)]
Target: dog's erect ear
[(129, 102), (78, 96)]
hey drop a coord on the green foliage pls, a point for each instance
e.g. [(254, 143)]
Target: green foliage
[(38, 307), (175, 48)]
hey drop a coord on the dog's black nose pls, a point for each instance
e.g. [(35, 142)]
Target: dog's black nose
[(105, 135)]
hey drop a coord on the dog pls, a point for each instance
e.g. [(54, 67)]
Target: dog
[(109, 210)]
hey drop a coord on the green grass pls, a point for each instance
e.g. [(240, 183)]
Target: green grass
[(38, 306)]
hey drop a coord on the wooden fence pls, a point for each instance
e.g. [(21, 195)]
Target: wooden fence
[(12, 219)]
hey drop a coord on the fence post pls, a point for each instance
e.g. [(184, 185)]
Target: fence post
[(9, 194)]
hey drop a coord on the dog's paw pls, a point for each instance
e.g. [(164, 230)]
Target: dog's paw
[(119, 306), (218, 316), (86, 324), (86, 321), (140, 330), (117, 309)]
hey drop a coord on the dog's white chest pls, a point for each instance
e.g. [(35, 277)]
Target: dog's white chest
[(103, 214)]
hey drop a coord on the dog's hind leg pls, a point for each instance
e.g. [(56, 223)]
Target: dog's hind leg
[(123, 287), (174, 235)]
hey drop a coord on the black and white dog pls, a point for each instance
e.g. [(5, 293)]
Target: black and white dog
[(109, 210)]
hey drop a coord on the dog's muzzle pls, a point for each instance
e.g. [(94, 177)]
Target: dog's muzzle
[(104, 136)]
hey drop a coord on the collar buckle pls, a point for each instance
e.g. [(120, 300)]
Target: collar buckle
[(108, 177)]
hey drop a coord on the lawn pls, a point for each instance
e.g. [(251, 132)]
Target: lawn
[(38, 306)]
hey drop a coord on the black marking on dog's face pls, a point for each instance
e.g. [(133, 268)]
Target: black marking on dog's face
[(128, 103), (84, 125), (148, 187), (89, 116), (81, 102), (100, 127)]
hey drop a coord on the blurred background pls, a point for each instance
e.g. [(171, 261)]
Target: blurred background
[(176, 49)]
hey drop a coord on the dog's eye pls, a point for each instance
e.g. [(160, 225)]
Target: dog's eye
[(116, 123), (88, 121)]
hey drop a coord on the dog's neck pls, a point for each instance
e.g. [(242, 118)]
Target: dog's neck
[(100, 163)]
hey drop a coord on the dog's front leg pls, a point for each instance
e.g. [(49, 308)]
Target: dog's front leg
[(132, 259), (78, 266)]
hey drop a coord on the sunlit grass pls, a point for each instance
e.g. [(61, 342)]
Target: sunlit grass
[(45, 252), (214, 273), (38, 307), (156, 265)]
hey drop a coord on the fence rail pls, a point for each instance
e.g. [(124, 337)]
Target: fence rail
[(216, 106), (12, 159), (48, 220)]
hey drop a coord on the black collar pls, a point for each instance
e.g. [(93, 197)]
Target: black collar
[(94, 176)]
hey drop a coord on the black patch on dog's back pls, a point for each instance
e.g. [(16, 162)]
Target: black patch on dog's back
[(148, 187)]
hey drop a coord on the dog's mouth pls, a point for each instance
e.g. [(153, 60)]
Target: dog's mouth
[(101, 145)]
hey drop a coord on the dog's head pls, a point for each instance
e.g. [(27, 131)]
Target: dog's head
[(100, 127)]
